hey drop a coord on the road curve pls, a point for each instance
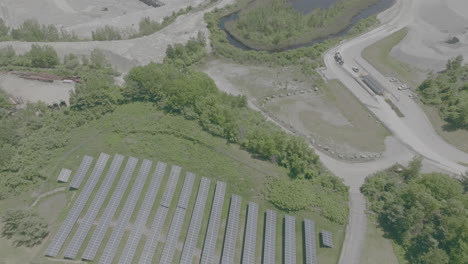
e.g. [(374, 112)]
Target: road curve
[(414, 130)]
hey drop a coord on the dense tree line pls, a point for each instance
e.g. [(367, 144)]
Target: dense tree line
[(146, 27), (38, 57), (449, 92), (427, 214), (24, 227), (31, 30), (275, 24), (307, 57)]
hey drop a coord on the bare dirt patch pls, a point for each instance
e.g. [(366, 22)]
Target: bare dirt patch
[(434, 23), (35, 91), (84, 16), (330, 115)]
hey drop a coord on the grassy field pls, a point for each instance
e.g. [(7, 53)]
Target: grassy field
[(139, 130), (378, 55)]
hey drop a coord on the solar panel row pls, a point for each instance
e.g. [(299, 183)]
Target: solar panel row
[(94, 208), (174, 231), (143, 213), (127, 211), (186, 191), (270, 238), (327, 238), (108, 215), (72, 217), (170, 186), (213, 224), (160, 218), (250, 238), (230, 239), (172, 236), (289, 240), (195, 222), (153, 236), (81, 172), (310, 249)]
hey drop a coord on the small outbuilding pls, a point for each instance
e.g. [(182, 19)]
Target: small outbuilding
[(64, 175)]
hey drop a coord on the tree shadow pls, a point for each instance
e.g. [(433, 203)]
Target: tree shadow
[(451, 127)]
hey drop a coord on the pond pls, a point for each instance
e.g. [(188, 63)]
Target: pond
[(306, 6)]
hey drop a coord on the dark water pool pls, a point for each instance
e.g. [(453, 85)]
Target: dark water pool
[(306, 6)]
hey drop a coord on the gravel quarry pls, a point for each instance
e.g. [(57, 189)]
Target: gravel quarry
[(434, 24)]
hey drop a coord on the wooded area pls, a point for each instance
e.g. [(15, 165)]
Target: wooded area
[(275, 24), (448, 91), (427, 214)]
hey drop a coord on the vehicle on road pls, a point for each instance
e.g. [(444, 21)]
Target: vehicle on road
[(338, 58), (355, 69)]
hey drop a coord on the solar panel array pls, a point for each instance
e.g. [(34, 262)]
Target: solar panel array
[(213, 224), (172, 238), (289, 240), (170, 186), (81, 172), (158, 222), (108, 215), (177, 221), (270, 238), (195, 222), (327, 238), (127, 211), (72, 217), (230, 239), (250, 238), (143, 214), (310, 248), (64, 175), (93, 210)]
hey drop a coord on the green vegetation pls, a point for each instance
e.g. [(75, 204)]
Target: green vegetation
[(448, 91), (194, 95), (38, 57), (25, 227), (275, 24), (308, 57), (30, 136), (297, 195), (427, 214), (32, 31)]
